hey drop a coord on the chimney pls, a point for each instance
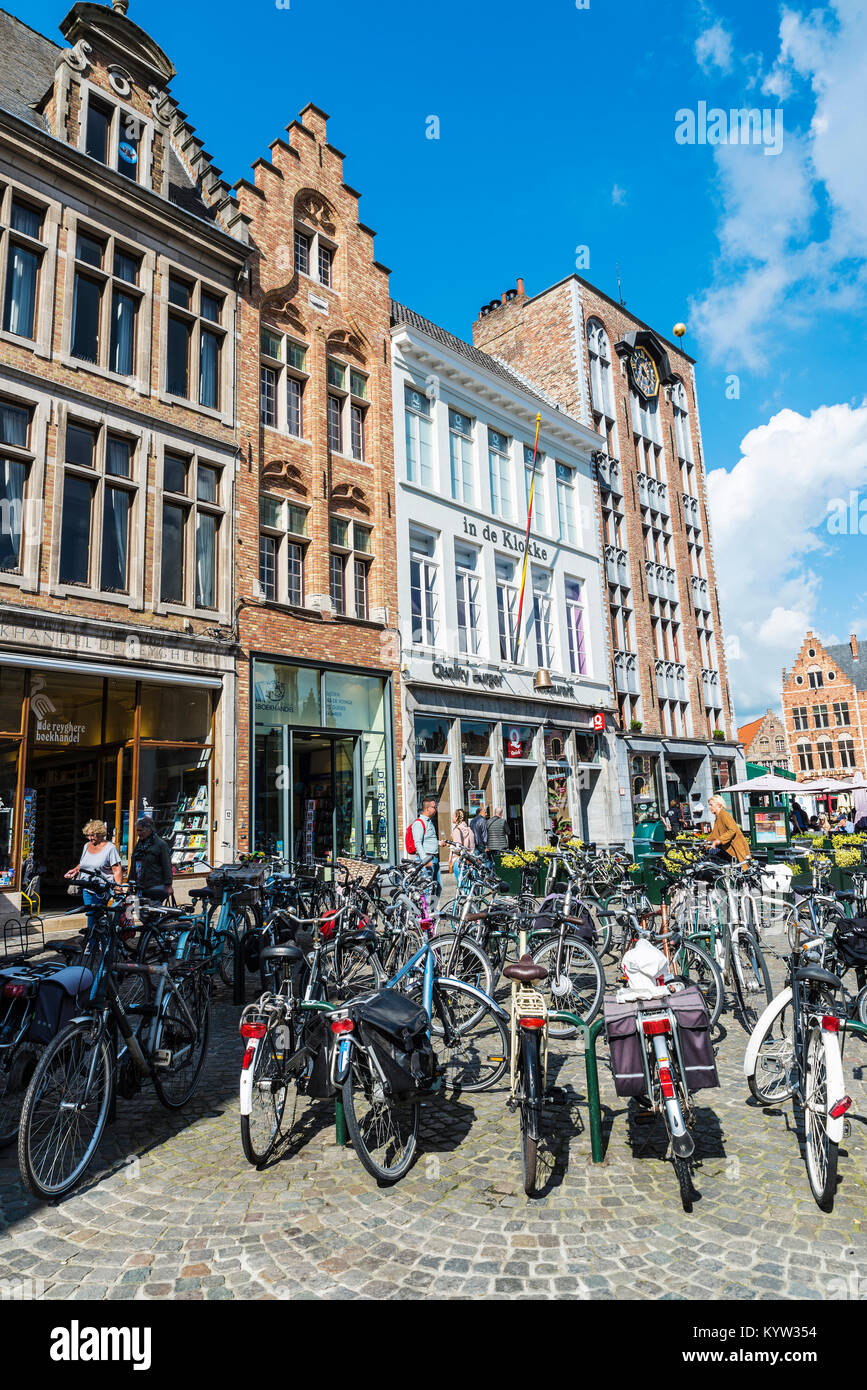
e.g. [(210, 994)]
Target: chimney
[(503, 297), (853, 643), (520, 284)]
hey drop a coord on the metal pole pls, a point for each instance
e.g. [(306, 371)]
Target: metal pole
[(590, 1033)]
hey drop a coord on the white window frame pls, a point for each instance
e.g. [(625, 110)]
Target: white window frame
[(423, 556), (461, 461), (500, 474), (121, 110), (467, 592), (414, 419)]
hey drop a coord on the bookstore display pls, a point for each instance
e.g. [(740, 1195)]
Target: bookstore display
[(183, 824)]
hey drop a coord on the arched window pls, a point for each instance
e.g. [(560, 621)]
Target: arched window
[(602, 384)]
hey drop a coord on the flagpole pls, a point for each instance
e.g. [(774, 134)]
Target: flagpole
[(517, 643)]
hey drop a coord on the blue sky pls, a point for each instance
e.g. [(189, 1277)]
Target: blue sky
[(557, 130)]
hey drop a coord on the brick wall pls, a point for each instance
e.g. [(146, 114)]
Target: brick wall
[(797, 691)]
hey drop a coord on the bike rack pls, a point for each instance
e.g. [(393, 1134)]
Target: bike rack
[(590, 1032), (341, 1137)]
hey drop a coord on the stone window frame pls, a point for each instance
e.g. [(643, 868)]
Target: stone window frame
[(646, 421), (599, 351), (315, 240), (103, 423), (26, 578), (168, 267), (842, 719), (211, 457), (283, 369), (120, 107), (285, 540), (352, 555), (683, 434), (113, 241), (10, 187), (846, 749)]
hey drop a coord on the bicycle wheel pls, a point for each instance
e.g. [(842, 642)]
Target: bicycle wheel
[(384, 1133), (348, 971), (461, 958), (229, 953), (471, 1041), (689, 962), (529, 1091), (775, 1077), (185, 1041), (683, 1169), (820, 1151), (260, 1129), (63, 1118), (16, 1070), (575, 983), (750, 977)]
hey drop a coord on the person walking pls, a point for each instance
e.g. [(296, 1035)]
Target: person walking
[(498, 833), (99, 856), (425, 836), (726, 834), (479, 827), (462, 837), (799, 816), (150, 867)]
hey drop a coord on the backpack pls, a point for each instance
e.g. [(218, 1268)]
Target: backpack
[(408, 840)]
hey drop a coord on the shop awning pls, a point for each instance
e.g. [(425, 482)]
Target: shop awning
[(82, 667)]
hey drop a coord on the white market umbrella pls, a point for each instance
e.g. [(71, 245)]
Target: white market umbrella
[(769, 783)]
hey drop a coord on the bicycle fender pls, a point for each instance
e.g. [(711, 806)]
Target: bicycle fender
[(342, 1060), (770, 1012), (477, 993), (836, 1086), (246, 1095)]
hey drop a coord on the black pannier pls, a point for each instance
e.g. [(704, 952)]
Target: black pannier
[(248, 877), (545, 919), (395, 1030), (60, 997), (625, 1043), (850, 940), (693, 1030)]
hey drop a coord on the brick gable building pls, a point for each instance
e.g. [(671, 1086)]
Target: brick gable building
[(764, 741), (604, 365), (825, 708), (316, 573)]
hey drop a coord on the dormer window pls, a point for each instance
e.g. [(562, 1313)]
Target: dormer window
[(116, 136)]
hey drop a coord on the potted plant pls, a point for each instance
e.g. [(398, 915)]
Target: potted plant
[(636, 726), (719, 735)]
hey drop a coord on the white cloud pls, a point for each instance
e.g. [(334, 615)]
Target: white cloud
[(768, 525), (713, 49), (618, 196), (772, 257)]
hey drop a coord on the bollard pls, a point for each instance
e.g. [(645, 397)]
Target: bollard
[(340, 1135)]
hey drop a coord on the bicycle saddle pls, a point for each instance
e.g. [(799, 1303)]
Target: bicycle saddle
[(525, 971), (291, 953), (476, 916), (814, 974), (200, 893), (846, 895)]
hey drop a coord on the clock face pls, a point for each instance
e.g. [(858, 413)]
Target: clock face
[(644, 373)]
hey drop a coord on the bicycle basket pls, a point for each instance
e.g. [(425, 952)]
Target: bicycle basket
[(545, 919), (395, 1030), (248, 878), (850, 940)]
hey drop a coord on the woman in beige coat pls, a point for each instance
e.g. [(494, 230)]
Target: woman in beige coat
[(726, 834)]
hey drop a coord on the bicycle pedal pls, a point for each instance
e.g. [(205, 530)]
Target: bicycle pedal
[(555, 1095), (162, 1057)]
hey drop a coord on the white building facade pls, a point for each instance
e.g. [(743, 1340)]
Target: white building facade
[(492, 714)]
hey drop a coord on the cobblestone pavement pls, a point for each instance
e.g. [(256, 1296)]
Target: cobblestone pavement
[(173, 1209)]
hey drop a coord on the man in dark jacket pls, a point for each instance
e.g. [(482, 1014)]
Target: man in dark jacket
[(150, 867), (479, 827), (498, 835), (675, 818)]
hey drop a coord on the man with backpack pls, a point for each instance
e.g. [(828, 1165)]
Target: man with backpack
[(422, 840)]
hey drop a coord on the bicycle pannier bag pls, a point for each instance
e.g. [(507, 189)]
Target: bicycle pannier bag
[(693, 1029), (318, 1037), (545, 919), (61, 996), (625, 1043), (850, 940), (395, 1030)]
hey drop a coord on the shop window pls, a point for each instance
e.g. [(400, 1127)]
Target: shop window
[(15, 461), (120, 713), (11, 698), (185, 709), (353, 702), (476, 738), (287, 695), (65, 711), (517, 742), (21, 228), (419, 438), (195, 339), (9, 752), (175, 789), (586, 748), (557, 784), (477, 787), (555, 745), (431, 737), (433, 779), (461, 457), (192, 517)]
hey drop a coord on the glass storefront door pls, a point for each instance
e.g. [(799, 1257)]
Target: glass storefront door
[(307, 791)]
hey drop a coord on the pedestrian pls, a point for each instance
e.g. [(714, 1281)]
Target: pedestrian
[(425, 838), (798, 816), (479, 827), (498, 832), (150, 866), (675, 818), (726, 834), (814, 823), (462, 838), (99, 856)]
